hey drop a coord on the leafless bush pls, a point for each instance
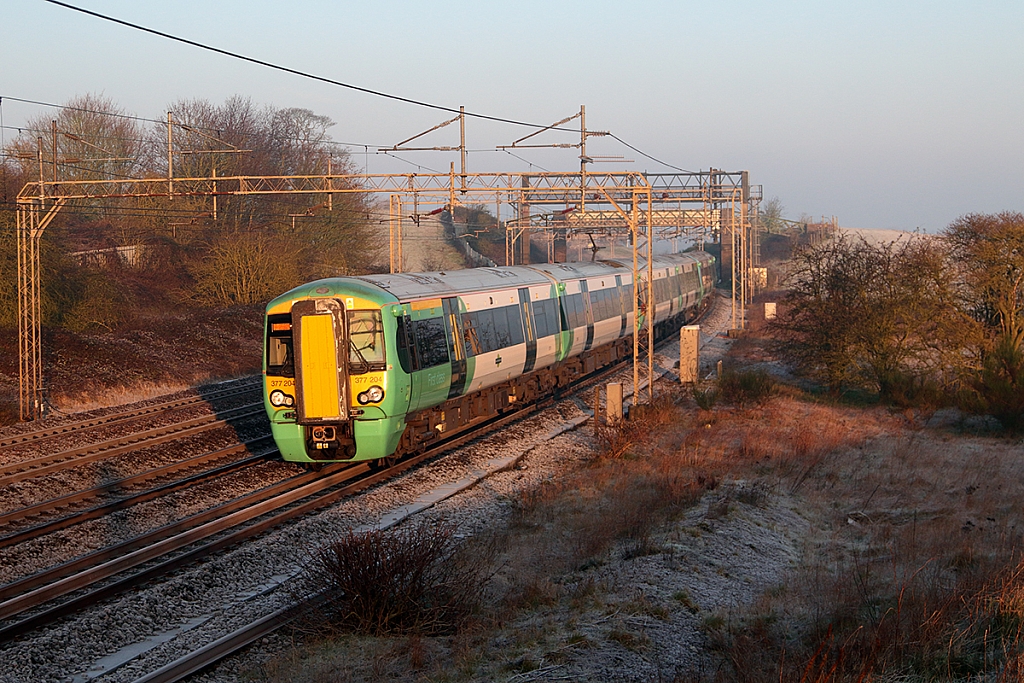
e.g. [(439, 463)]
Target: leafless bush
[(744, 387), (886, 318), (705, 395), (416, 578)]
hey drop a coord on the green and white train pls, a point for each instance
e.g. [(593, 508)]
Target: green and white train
[(377, 366)]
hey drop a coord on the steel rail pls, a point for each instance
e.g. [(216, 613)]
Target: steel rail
[(86, 578), (220, 648), (102, 555), (113, 418), (467, 433), (30, 469), (128, 499), (236, 640)]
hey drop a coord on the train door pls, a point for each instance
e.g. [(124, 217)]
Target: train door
[(585, 291), (528, 328), (320, 342), (622, 305), (456, 348)]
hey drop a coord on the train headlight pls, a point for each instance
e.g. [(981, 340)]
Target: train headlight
[(374, 394), (279, 399)]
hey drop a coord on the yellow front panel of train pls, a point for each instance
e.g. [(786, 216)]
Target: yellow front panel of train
[(320, 393)]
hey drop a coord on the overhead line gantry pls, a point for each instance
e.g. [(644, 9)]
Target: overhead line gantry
[(628, 202)]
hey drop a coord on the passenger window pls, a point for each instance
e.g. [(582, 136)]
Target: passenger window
[(431, 342), (488, 334), (406, 350), (576, 310), (544, 317), (515, 325), (493, 329)]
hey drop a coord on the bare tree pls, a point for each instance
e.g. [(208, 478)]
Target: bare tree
[(95, 139), (310, 235), (771, 215), (326, 238), (879, 316), (989, 250)]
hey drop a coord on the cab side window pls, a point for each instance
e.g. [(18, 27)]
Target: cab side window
[(431, 342)]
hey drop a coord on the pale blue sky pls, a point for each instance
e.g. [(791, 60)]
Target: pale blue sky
[(885, 114)]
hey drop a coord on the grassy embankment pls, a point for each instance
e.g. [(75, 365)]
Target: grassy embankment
[(896, 557), (151, 356)]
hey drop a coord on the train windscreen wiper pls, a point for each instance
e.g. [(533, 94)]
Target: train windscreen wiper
[(365, 364)]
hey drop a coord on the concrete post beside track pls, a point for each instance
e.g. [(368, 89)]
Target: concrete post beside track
[(689, 336), (613, 403)]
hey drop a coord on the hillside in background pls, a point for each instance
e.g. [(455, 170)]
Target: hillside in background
[(153, 355)]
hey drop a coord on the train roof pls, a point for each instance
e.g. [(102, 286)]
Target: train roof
[(578, 269), (668, 260), (412, 286), (406, 286)]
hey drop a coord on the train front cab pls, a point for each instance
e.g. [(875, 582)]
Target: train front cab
[(327, 389)]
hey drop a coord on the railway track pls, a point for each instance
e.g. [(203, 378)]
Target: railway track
[(207, 463), (55, 462), (149, 411), (201, 534), (242, 637), (23, 602), (37, 520), (44, 597)]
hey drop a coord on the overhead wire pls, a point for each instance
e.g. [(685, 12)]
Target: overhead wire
[(328, 142), (297, 72), (278, 138), (160, 122), (331, 81), (349, 147), (411, 163), (639, 151), (525, 161)]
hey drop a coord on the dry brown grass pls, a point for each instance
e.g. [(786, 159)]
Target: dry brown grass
[(82, 400), (612, 505), (910, 572), (914, 567)]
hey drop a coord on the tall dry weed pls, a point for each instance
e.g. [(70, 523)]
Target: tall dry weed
[(631, 487)]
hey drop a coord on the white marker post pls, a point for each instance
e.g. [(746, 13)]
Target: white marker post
[(613, 403), (689, 336)]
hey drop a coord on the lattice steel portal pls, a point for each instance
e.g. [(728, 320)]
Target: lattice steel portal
[(630, 195), (31, 222)]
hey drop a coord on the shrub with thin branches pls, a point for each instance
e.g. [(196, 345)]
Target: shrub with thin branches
[(743, 387), (705, 395), (412, 578)]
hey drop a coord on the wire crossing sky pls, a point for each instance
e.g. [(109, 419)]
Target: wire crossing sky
[(886, 114)]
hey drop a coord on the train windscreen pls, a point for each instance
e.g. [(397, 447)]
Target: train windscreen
[(366, 341), (280, 359)]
